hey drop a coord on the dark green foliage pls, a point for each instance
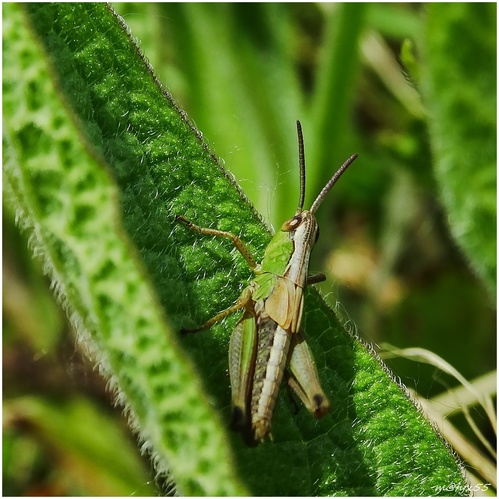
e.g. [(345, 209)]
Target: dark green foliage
[(460, 94)]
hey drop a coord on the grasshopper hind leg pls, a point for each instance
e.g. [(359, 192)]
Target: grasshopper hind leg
[(291, 392), (242, 354), (304, 379)]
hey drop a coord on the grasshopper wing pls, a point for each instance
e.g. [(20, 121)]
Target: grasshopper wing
[(285, 304)]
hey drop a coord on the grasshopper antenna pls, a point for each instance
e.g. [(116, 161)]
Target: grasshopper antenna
[(334, 179), (301, 158)]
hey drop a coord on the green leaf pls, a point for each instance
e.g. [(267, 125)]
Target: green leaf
[(104, 224), (460, 96), (68, 203)]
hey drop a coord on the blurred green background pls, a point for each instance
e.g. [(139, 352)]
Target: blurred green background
[(407, 236)]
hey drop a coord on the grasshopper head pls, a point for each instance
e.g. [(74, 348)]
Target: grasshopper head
[(302, 227)]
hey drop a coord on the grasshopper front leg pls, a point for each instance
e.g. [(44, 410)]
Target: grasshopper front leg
[(245, 252), (236, 241)]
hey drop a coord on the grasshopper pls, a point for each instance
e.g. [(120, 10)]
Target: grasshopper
[(267, 340)]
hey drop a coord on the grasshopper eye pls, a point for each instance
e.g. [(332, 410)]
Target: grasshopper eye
[(317, 234), (291, 224)]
